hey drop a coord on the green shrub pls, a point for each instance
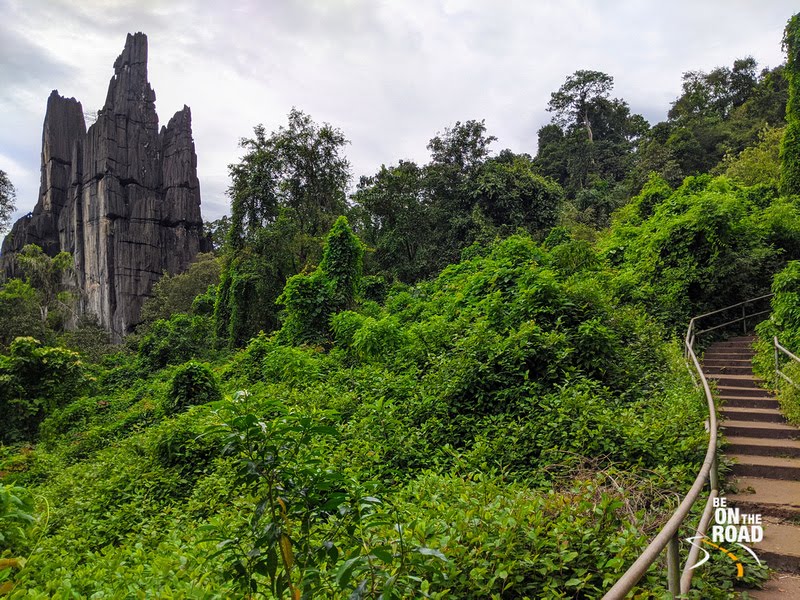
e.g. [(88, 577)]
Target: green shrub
[(790, 143), (573, 257), (344, 326), (186, 446), (193, 383), (311, 299), (76, 415), (297, 367), (36, 380), (701, 249), (308, 302), (175, 340), (90, 340), (245, 368), (784, 323), (174, 294), (377, 338), (16, 519), (204, 303), (374, 288)]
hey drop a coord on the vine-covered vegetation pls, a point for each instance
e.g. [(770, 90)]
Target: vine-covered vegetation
[(783, 324), (463, 381)]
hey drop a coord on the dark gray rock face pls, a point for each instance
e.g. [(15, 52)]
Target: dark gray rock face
[(123, 198), (63, 128)]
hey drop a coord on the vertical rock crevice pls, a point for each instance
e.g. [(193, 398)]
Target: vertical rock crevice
[(123, 197)]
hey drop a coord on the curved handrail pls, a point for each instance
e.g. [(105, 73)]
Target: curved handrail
[(668, 536), (780, 349)]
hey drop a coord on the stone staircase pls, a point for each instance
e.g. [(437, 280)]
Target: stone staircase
[(765, 452)]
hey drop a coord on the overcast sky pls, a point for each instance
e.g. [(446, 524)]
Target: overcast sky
[(390, 73)]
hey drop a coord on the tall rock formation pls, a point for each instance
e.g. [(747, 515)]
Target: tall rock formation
[(123, 198), (63, 128)]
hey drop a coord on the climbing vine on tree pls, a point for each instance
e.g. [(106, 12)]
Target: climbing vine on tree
[(790, 145), (312, 299), (286, 192)]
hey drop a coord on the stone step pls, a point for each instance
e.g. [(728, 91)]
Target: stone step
[(768, 467), (731, 347), (745, 402), (739, 339), (766, 455), (761, 415), (780, 586), (718, 373), (760, 430), (714, 361), (780, 547), (728, 391), (763, 447), (747, 380), (743, 367), (735, 349), (728, 353), (775, 495)]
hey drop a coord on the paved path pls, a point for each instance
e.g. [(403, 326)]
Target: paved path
[(765, 451)]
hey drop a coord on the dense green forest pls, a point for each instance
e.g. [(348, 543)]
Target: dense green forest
[(457, 379)]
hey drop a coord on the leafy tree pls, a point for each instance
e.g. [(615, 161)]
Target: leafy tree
[(571, 103), (790, 145), (462, 147), (418, 219), (717, 92), (287, 191), (218, 231), (767, 103), (393, 216), (589, 148), (47, 276), (312, 299), (552, 153), (19, 312), (253, 278), (7, 197), (35, 380), (457, 155), (175, 340), (176, 293), (512, 195), (298, 167), (759, 163), (718, 115)]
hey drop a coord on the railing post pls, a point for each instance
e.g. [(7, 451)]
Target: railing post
[(744, 320), (673, 567), (713, 475), (777, 367)]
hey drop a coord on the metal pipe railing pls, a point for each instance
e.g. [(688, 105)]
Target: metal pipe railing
[(677, 582), (779, 348)]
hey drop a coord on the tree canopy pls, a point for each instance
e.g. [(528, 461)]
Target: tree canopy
[(299, 168), (790, 144), (7, 198), (572, 101), (286, 192)]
